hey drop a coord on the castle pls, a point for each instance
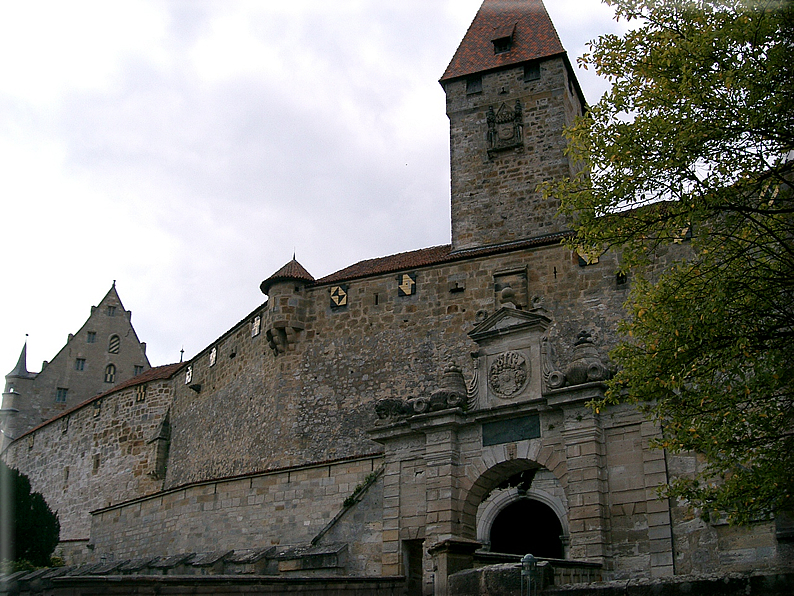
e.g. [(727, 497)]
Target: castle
[(414, 415)]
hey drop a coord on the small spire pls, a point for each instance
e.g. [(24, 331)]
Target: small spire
[(181, 354), (114, 283), (21, 369)]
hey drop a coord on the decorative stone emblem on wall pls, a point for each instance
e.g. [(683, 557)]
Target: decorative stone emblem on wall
[(585, 367), (338, 296), (213, 356), (451, 393), (508, 374), (406, 284), (505, 128)]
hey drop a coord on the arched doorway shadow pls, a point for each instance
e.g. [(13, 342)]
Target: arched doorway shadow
[(527, 526)]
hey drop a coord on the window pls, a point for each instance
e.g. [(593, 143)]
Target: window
[(532, 71), (189, 375), (213, 356), (113, 344), (256, 326), (79, 364), (96, 463), (137, 370), (474, 85), (502, 45), (91, 339), (60, 395), (140, 393), (110, 373), (111, 311)]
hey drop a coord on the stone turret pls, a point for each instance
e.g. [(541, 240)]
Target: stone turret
[(510, 91), (16, 395), (286, 313)]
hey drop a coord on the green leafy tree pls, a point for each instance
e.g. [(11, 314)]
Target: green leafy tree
[(695, 139), (34, 530)]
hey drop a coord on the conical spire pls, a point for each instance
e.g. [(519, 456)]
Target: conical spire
[(505, 33), (21, 369), (292, 271)]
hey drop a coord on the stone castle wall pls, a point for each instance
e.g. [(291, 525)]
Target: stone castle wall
[(256, 411), (95, 455), (282, 508)]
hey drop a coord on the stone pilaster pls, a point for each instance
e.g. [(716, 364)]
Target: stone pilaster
[(587, 485), (658, 510)]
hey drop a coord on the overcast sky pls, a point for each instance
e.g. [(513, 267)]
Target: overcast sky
[(185, 148)]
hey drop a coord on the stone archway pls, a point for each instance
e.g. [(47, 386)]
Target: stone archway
[(544, 521)]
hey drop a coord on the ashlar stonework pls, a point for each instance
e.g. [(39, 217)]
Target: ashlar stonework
[(415, 415)]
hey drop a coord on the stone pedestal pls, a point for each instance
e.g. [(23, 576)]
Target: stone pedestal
[(450, 556)]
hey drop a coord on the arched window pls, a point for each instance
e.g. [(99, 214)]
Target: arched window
[(113, 344), (110, 373)]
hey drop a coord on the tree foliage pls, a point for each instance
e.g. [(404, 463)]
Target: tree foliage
[(696, 138), (35, 528)]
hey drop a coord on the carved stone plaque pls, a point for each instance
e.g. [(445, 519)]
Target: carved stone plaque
[(508, 374)]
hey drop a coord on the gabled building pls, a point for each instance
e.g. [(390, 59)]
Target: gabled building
[(105, 351)]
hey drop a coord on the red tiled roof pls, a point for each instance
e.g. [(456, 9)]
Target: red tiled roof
[(156, 373), (534, 37), (432, 256), (291, 271)]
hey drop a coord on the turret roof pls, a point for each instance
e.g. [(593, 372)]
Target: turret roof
[(292, 271), (533, 37), (21, 369)]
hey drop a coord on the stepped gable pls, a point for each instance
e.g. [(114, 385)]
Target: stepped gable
[(292, 271), (533, 37)]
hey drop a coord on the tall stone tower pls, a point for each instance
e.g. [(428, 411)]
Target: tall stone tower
[(510, 92)]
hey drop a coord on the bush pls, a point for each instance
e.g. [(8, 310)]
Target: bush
[(34, 529)]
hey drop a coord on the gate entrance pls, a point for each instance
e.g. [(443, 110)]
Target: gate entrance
[(527, 527)]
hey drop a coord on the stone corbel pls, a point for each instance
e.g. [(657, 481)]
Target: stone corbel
[(283, 336)]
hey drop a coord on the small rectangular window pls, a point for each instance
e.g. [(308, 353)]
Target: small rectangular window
[(474, 85), (91, 339), (61, 394), (256, 326), (502, 45), (137, 370), (532, 71), (140, 393), (79, 364), (111, 311)]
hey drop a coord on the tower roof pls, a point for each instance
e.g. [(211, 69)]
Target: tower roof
[(21, 369), (525, 23), (292, 271)]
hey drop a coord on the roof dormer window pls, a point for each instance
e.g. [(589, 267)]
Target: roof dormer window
[(503, 39)]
